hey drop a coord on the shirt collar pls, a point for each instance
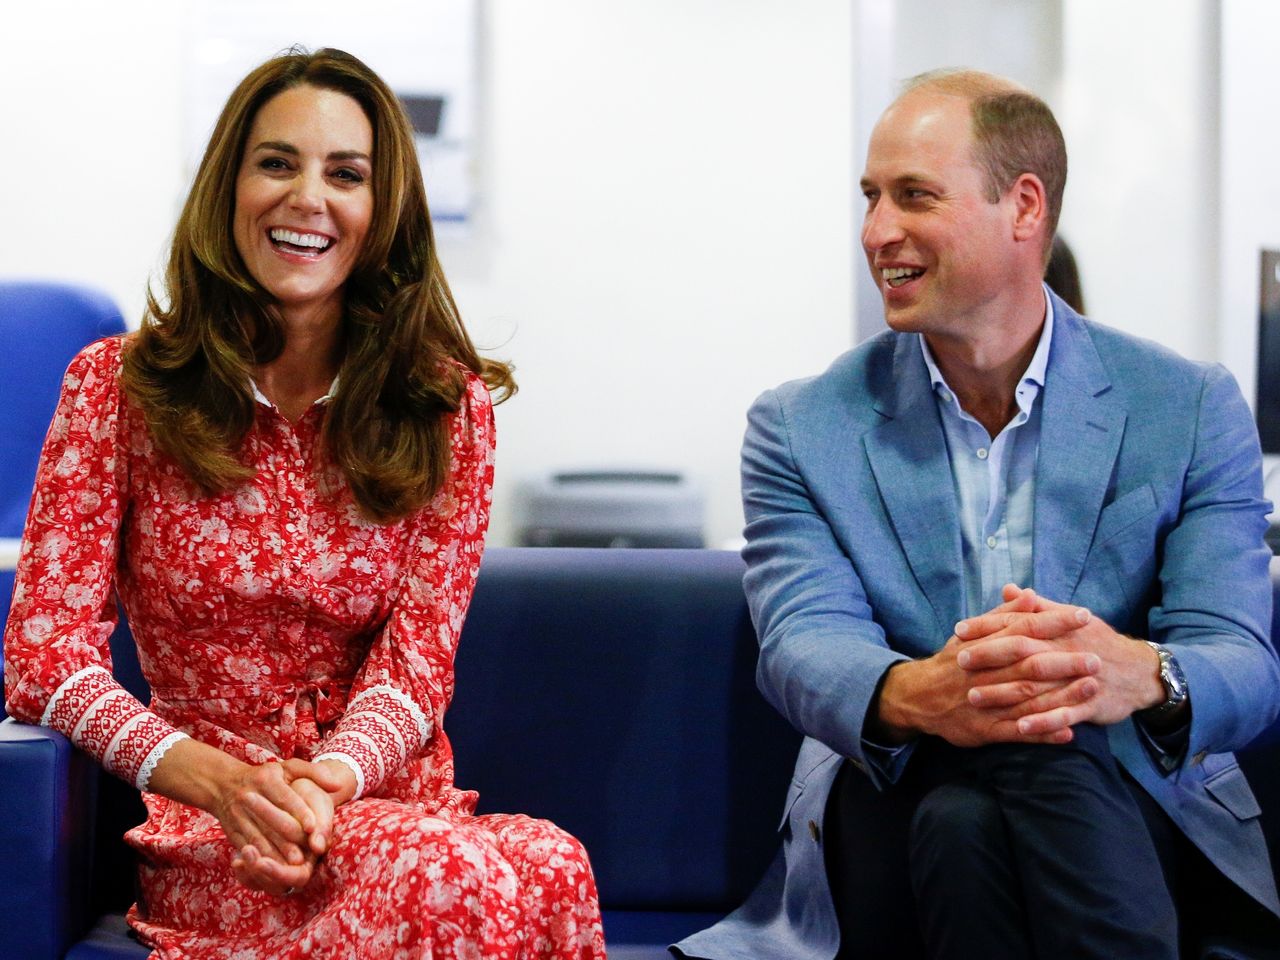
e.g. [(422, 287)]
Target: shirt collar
[(1036, 369), (261, 397)]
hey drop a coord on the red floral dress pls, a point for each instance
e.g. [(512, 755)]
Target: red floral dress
[(274, 621)]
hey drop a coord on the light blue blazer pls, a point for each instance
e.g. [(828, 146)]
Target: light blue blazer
[(1148, 511)]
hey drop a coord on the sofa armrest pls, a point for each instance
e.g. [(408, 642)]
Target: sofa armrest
[(48, 804)]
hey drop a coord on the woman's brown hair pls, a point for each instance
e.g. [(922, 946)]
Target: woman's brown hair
[(189, 368)]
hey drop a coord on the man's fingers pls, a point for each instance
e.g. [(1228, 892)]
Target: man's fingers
[(1059, 718), (1045, 624), (994, 653)]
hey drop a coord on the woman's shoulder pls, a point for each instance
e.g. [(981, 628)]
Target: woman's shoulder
[(96, 368)]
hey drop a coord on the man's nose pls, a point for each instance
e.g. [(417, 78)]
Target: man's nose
[(882, 227)]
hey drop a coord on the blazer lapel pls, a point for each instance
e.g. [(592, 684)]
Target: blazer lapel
[(908, 457), (1080, 434)]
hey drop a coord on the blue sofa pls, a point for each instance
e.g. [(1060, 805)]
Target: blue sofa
[(609, 690)]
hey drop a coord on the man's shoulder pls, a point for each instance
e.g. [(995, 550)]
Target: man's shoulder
[(852, 379), (1137, 366)]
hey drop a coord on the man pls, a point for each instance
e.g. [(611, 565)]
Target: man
[(993, 441)]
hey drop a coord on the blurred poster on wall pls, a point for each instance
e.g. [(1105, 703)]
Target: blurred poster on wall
[(426, 50)]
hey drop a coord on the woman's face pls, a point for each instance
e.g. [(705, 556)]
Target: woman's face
[(303, 198)]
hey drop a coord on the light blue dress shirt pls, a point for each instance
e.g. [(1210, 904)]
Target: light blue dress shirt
[(995, 488), (995, 480)]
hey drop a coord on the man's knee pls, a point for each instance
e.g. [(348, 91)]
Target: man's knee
[(953, 822)]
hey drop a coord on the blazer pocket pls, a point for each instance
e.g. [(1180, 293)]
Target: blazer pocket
[(1230, 788), (813, 754), (1123, 512)]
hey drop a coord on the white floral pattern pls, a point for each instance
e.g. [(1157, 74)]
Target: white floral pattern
[(274, 621)]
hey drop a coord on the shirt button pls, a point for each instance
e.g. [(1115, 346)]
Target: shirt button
[(991, 542), (982, 453), (946, 397)]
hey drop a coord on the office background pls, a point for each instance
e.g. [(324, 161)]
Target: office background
[(666, 213)]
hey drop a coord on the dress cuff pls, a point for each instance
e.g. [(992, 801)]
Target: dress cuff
[(110, 724), (351, 764)]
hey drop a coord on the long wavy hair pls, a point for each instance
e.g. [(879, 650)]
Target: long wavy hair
[(189, 368)]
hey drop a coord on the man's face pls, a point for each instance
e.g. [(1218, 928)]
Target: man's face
[(939, 250)]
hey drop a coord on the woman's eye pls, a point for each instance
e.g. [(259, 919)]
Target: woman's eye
[(274, 163), (349, 175)]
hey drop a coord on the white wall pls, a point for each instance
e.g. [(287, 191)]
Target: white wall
[(1139, 101), (665, 229), (669, 227), (92, 128)]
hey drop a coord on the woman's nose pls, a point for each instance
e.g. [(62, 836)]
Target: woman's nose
[(308, 193)]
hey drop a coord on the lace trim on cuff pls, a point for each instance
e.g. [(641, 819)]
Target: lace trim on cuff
[(350, 762), (415, 713), (155, 756), (55, 701)]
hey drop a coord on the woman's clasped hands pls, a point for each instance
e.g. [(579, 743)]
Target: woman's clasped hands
[(279, 817)]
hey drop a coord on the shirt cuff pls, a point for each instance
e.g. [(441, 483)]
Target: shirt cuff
[(1166, 749), (886, 764)]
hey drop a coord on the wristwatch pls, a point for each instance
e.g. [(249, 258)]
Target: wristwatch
[(1174, 680)]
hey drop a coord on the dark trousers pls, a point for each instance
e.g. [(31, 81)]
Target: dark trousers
[(1014, 851)]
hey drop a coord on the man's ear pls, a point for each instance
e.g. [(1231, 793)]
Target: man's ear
[(1030, 207)]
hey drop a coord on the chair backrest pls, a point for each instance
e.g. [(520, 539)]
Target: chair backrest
[(613, 692), (42, 327)]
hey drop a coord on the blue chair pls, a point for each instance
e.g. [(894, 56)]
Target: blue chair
[(42, 327)]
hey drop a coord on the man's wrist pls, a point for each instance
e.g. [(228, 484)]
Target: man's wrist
[(894, 723), (1169, 708)]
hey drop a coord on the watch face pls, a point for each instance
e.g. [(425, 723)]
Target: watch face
[(1174, 680)]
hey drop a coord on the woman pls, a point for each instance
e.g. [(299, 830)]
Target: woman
[(286, 475)]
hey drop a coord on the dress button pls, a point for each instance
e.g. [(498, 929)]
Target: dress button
[(991, 542), (814, 831), (1199, 757), (982, 453)]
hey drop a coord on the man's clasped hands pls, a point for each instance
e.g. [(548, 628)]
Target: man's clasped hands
[(1027, 671)]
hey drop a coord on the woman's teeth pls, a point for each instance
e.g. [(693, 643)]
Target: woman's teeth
[(309, 243)]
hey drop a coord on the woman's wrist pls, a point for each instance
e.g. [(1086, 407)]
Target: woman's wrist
[(196, 774)]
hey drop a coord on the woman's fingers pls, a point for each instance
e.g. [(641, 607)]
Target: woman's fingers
[(272, 876), (292, 818), (321, 805)]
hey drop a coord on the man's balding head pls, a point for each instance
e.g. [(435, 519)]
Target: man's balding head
[(1014, 132)]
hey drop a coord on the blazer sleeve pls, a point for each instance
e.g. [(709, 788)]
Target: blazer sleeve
[(822, 655), (401, 690), (56, 642), (1214, 612)]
